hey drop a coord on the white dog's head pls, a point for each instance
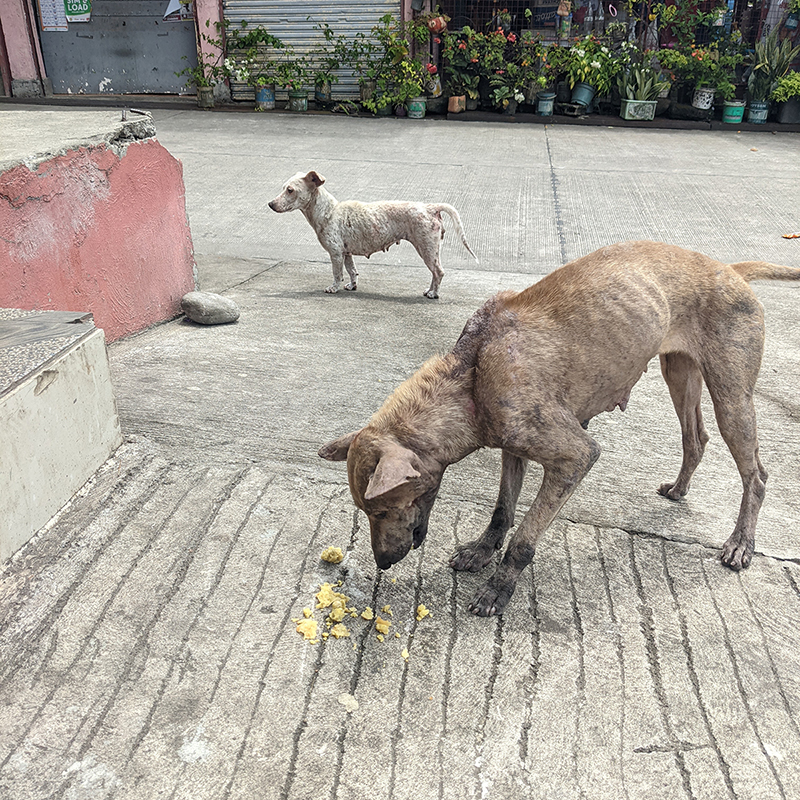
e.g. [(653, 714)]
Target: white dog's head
[(297, 192)]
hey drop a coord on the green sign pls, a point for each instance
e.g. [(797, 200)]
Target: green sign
[(78, 10)]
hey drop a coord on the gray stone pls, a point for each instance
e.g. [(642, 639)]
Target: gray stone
[(208, 308)]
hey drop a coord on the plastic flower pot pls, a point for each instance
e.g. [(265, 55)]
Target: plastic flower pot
[(457, 103), (757, 112), (789, 111), (205, 96), (703, 98), (265, 97), (417, 107), (638, 109), (544, 103), (323, 93), (583, 94), (733, 112), (298, 100), (472, 103)]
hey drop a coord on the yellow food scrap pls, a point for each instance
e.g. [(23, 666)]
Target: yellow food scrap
[(337, 615), (387, 609), (397, 636), (339, 631), (367, 613), (380, 637), (333, 555), (326, 596), (422, 612), (307, 612), (382, 625), (404, 654), (307, 627)]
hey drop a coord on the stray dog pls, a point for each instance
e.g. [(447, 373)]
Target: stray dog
[(530, 370), (360, 229)]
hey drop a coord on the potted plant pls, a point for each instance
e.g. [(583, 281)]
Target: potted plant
[(507, 87), (253, 61), (787, 93), (460, 63), (590, 70), (639, 87), (326, 58), (210, 69), (293, 74), (770, 61), (435, 21)]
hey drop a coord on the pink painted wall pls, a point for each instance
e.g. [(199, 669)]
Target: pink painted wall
[(17, 34), (91, 230)]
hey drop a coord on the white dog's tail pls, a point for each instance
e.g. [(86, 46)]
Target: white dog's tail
[(448, 209), (764, 271)]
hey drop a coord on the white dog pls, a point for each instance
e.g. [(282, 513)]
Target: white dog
[(360, 229)]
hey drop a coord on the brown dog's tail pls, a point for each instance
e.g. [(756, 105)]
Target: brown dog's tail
[(448, 209), (763, 271)]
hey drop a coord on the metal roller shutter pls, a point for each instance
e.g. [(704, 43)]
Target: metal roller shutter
[(293, 22)]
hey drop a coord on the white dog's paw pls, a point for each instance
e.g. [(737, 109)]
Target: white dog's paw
[(431, 294), (351, 287), (332, 289)]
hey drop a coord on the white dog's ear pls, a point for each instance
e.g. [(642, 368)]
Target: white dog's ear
[(315, 178), (393, 470), (337, 449)]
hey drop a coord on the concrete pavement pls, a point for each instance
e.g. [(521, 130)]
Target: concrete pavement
[(147, 647)]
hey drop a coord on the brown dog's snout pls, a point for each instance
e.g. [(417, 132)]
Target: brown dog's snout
[(271, 204)]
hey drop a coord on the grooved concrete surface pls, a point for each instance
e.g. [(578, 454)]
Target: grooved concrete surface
[(147, 648)]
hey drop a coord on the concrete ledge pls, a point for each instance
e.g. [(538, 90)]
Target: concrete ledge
[(92, 217), (58, 416)]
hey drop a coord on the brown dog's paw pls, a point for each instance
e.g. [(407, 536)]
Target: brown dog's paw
[(737, 552), (491, 600), (671, 491), (471, 557)]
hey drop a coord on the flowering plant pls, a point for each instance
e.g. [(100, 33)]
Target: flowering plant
[(508, 84), (590, 61)]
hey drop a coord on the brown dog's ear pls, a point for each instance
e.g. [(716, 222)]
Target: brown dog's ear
[(393, 470), (337, 449), (315, 178)]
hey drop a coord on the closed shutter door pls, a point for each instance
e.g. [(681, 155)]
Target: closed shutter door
[(293, 21)]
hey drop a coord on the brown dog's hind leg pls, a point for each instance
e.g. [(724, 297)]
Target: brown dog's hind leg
[(736, 418), (569, 454), (475, 555), (685, 383), (351, 271), (429, 248)]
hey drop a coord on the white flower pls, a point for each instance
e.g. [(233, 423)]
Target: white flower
[(519, 96), (581, 53), (595, 64), (604, 50)]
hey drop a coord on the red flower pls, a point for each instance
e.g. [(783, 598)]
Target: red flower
[(474, 60), (462, 45), (512, 38), (432, 69), (437, 40)]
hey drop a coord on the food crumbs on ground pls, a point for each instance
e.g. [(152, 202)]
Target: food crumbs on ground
[(337, 615), (387, 609), (339, 631), (367, 613), (394, 580), (307, 612), (306, 627), (422, 612), (380, 637), (326, 596), (404, 654), (382, 625), (325, 635), (349, 702), (333, 555), (396, 635)]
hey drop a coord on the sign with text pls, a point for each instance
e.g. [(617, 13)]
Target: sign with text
[(78, 10)]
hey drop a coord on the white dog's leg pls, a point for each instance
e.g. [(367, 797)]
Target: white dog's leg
[(351, 271), (337, 262)]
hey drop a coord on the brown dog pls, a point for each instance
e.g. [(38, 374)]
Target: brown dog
[(530, 370)]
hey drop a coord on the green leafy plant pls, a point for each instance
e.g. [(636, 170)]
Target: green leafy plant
[(681, 18), (787, 87), (397, 85), (592, 62), (641, 82), (210, 68), (326, 57), (508, 84), (770, 61), (292, 72), (254, 54)]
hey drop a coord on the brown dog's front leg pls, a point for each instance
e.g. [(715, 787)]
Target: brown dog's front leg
[(475, 555), (559, 482), (337, 263)]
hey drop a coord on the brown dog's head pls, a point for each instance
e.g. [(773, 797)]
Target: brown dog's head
[(393, 485), (297, 192)]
